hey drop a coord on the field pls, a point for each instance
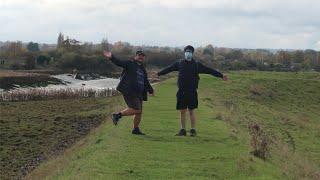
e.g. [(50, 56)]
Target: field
[(285, 107), (33, 131)]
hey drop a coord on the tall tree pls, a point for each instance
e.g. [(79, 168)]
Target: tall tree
[(234, 54), (105, 44), (283, 57), (298, 56), (60, 40), (311, 56), (33, 47), (208, 50), (15, 49)]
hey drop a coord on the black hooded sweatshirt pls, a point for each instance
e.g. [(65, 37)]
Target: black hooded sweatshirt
[(189, 71), (129, 83)]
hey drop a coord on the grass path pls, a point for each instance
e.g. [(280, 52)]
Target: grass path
[(113, 153), (285, 105)]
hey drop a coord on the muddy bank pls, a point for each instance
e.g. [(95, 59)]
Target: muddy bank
[(11, 79), (32, 132)]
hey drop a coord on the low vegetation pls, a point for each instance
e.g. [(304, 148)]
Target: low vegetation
[(281, 107), (33, 131), (33, 94)]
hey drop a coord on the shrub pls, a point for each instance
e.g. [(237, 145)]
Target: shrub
[(30, 61), (43, 59), (15, 66), (259, 141)]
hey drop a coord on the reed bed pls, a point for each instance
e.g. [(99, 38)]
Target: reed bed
[(32, 94)]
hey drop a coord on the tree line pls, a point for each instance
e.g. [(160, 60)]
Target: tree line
[(69, 54)]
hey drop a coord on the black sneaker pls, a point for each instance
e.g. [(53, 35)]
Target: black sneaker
[(193, 132), (137, 131), (182, 132), (115, 118)]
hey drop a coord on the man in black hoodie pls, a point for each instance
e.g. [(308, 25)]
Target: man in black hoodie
[(188, 79), (133, 85)]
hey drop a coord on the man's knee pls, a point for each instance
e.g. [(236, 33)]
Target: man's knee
[(138, 112), (183, 111), (135, 111)]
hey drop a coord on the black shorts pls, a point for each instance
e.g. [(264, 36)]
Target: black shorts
[(133, 102), (187, 100)]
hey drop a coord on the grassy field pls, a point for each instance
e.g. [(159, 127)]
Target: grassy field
[(284, 105)]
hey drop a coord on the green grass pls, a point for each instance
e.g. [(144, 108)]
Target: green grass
[(286, 105)]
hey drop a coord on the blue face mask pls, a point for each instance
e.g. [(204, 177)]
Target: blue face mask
[(188, 55)]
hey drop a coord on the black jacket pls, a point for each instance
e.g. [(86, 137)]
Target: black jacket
[(128, 84), (188, 78)]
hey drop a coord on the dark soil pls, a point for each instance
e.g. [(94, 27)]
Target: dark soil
[(31, 132)]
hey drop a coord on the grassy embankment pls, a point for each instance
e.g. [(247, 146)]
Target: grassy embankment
[(285, 105)]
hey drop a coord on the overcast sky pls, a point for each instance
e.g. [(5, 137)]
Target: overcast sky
[(293, 24)]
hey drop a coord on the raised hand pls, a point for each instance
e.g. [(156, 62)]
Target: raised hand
[(152, 94), (225, 77), (107, 54)]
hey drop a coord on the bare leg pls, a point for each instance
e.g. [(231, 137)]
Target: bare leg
[(130, 112), (136, 120), (183, 118), (192, 118)]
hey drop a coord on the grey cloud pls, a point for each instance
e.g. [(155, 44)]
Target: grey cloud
[(249, 24)]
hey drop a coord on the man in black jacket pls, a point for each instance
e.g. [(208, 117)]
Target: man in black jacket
[(134, 85), (188, 79)]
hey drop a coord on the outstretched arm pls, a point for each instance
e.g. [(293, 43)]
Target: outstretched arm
[(172, 67), (206, 70), (115, 60)]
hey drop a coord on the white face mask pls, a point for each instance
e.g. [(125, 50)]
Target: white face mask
[(188, 55)]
